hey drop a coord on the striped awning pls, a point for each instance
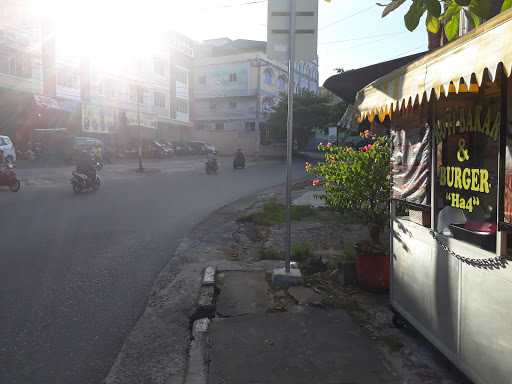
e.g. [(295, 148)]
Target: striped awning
[(448, 69)]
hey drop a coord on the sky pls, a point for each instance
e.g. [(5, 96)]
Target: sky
[(352, 33)]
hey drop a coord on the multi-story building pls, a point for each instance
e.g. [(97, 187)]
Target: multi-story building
[(42, 90), (235, 87), (151, 94), (306, 64)]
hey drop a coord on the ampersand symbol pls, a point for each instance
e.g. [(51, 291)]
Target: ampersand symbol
[(462, 153)]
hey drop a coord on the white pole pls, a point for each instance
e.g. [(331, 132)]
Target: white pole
[(289, 134)]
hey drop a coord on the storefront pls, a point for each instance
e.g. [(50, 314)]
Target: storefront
[(451, 216)]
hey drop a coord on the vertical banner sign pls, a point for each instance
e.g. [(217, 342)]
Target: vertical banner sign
[(48, 58)]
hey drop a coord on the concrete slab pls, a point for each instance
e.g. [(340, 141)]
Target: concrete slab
[(243, 293), (314, 346), (305, 295), (283, 279)]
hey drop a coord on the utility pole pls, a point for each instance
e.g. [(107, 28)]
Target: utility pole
[(258, 64), (289, 134), (140, 96)]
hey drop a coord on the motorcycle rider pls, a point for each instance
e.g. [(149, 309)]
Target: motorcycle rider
[(239, 158), (211, 160), (86, 166)]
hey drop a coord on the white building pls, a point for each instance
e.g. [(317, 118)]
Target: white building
[(235, 87)]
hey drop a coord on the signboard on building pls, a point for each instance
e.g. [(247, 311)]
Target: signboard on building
[(100, 119)]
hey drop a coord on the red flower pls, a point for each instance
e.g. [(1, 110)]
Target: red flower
[(316, 182)]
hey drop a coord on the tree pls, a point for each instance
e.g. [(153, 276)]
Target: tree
[(310, 112), (446, 13)]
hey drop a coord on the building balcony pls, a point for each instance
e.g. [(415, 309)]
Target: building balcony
[(218, 93)]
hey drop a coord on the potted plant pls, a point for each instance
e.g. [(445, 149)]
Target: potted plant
[(356, 182)]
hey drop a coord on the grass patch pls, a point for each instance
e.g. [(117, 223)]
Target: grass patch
[(273, 213), (270, 254), (302, 252)]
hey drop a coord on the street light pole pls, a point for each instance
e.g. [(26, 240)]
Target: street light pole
[(289, 134), (139, 95)]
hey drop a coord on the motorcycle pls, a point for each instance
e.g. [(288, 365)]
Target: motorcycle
[(212, 166), (239, 161), (8, 178), (81, 182)]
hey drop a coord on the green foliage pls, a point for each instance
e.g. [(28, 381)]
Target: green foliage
[(270, 254), (273, 213), (310, 112), (413, 16), (357, 182), (301, 252), (444, 13)]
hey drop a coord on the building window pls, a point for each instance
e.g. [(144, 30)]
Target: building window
[(109, 88), (18, 65), (181, 76), (65, 78), (136, 94), (219, 126), (281, 83), (181, 106), (232, 104), (159, 99), (250, 125), (213, 105), (267, 76), (159, 66), (202, 79), (232, 77)]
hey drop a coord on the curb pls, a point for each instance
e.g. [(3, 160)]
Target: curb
[(197, 366)]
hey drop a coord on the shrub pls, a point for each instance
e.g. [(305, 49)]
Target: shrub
[(356, 181)]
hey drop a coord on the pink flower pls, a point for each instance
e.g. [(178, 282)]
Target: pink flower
[(329, 145), (316, 182), (366, 148)]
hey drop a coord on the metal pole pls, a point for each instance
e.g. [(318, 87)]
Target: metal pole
[(258, 110), (139, 92), (289, 134)]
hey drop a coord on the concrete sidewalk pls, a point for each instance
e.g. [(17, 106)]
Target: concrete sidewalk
[(253, 341)]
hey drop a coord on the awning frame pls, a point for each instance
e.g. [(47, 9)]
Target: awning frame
[(449, 69)]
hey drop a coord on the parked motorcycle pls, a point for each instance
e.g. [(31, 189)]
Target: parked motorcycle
[(212, 166), (81, 182), (8, 178)]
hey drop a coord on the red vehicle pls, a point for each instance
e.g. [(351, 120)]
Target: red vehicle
[(8, 178)]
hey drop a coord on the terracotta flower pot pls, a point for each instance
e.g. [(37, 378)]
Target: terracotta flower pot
[(372, 271)]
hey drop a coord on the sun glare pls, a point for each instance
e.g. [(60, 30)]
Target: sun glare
[(108, 31)]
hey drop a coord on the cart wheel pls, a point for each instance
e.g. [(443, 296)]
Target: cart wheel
[(399, 321), (15, 187)]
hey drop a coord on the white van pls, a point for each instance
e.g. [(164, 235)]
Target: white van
[(7, 147)]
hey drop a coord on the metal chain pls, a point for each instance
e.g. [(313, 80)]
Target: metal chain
[(488, 263)]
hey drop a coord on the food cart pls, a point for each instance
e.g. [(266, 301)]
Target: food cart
[(450, 115)]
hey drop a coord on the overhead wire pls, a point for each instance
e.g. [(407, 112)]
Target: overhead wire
[(347, 17)]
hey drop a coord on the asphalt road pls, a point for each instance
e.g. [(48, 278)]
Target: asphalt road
[(75, 270)]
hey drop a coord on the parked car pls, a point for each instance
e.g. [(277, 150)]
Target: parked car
[(180, 148), (198, 147), (7, 147), (160, 151)]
